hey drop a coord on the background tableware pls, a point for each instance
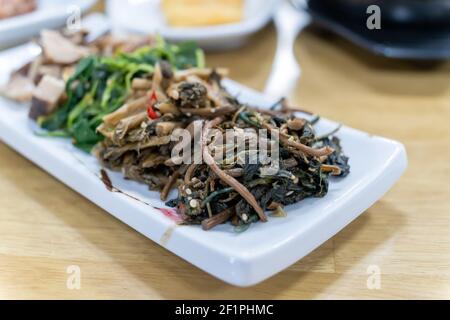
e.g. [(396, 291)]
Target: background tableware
[(49, 14), (147, 17), (289, 22), (413, 29)]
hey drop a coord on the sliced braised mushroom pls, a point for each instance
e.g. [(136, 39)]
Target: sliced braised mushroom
[(54, 71), (46, 96), (19, 88), (132, 43), (33, 70), (60, 50)]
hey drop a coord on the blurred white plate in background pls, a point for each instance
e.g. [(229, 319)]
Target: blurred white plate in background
[(49, 14), (146, 16)]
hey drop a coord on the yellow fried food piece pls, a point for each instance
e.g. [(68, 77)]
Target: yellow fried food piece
[(193, 13)]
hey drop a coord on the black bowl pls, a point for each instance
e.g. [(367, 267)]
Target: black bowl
[(410, 29), (393, 11)]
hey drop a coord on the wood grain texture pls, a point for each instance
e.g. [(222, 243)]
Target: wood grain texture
[(46, 227)]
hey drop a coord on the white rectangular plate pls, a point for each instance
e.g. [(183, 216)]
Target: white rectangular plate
[(239, 259)]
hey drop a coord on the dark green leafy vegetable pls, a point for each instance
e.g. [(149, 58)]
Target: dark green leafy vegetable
[(301, 175)]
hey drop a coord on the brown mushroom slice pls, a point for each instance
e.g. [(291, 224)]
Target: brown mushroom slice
[(46, 96), (50, 70), (33, 71), (58, 49), (134, 42), (78, 38), (19, 88), (129, 109)]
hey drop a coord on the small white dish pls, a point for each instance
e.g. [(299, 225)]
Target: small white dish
[(239, 259), (146, 16), (49, 14)]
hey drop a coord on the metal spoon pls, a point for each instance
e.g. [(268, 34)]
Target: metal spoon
[(289, 22)]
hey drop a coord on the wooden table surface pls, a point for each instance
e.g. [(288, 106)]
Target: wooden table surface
[(46, 227)]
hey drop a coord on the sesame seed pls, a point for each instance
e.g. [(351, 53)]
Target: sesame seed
[(193, 203)]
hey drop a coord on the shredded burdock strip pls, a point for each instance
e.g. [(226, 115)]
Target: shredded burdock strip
[(209, 112), (169, 185), (287, 140), (218, 219), (230, 181), (189, 173), (334, 170)]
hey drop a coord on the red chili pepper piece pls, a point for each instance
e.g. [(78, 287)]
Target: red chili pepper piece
[(150, 111)]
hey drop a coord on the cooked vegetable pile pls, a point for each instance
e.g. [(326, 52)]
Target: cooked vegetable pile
[(226, 186), (240, 190), (134, 108), (101, 85)]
